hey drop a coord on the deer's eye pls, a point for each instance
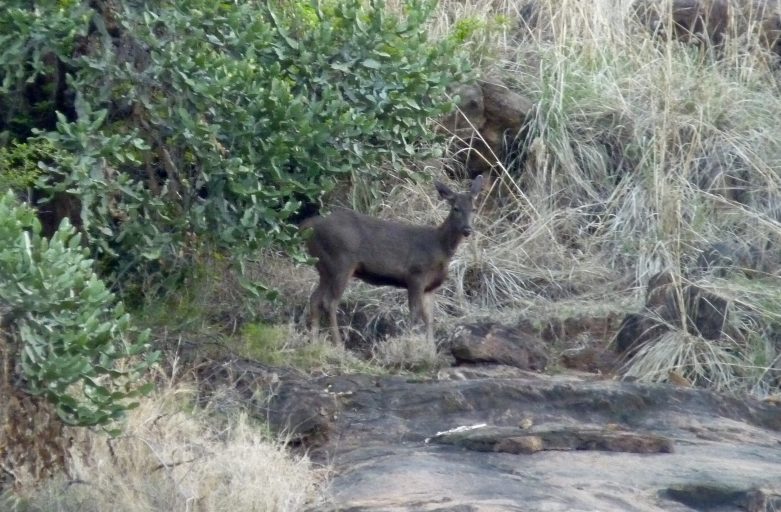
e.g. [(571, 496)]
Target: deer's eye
[(456, 209)]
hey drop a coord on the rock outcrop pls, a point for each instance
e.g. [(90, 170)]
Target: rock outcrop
[(706, 23), (496, 343), (489, 121), (535, 442), (710, 22)]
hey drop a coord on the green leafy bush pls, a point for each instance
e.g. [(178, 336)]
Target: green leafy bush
[(20, 163), (66, 336), (200, 123), (37, 42)]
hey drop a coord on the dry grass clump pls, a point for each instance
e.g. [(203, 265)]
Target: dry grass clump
[(291, 345), (170, 457), (721, 365), (746, 359), (407, 352)]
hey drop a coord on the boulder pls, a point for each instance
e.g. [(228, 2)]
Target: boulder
[(470, 113), (496, 343), (580, 337), (635, 331), (710, 22), (490, 117), (724, 173), (698, 21), (589, 359), (723, 497)]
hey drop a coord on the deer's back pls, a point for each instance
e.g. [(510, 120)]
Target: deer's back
[(379, 251), (349, 231)]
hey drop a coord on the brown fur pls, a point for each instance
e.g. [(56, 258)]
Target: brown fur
[(386, 253)]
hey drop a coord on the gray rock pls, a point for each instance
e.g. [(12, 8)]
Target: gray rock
[(495, 343), (490, 115), (512, 440), (559, 459)]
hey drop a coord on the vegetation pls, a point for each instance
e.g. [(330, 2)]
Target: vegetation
[(68, 352), (64, 335), (170, 135), (19, 169), (171, 457), (190, 137), (199, 126), (643, 154)]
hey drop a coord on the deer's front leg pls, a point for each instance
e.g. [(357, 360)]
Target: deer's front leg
[(416, 304), (428, 316)]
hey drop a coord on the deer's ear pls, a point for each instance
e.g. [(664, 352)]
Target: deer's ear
[(444, 191), (477, 186)]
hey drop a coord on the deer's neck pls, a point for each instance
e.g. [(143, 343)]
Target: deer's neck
[(449, 237)]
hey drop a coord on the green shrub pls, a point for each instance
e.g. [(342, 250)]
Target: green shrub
[(207, 124), (71, 342), (37, 41), (264, 342), (19, 163)]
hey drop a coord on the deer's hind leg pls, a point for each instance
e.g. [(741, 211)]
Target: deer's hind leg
[(339, 276), (316, 305)]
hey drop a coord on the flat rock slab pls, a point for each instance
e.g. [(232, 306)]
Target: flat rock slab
[(514, 440), (647, 447), (441, 478)]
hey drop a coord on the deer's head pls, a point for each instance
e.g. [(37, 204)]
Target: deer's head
[(461, 205)]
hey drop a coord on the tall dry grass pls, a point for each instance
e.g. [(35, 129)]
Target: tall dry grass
[(174, 457), (641, 154)]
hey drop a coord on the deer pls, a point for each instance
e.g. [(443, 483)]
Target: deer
[(348, 244)]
